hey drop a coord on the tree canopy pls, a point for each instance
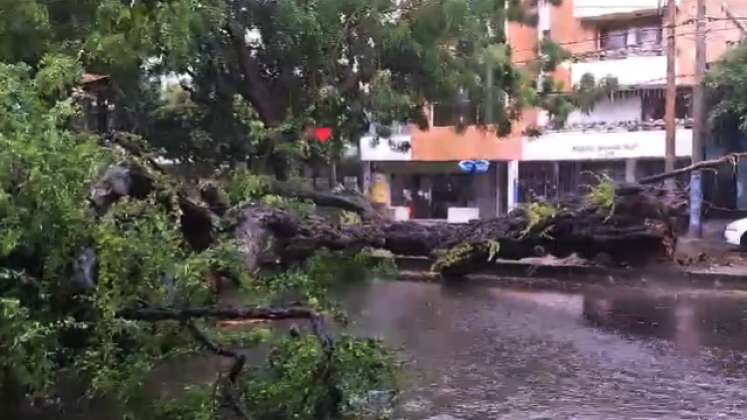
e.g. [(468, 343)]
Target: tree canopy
[(99, 279), (726, 85), (257, 73)]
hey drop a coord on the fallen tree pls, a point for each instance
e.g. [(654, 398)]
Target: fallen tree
[(106, 265), (123, 259), (614, 224)]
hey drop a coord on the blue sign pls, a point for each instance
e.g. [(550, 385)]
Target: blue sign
[(474, 166), (481, 166)]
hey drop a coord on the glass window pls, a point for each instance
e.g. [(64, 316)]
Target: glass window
[(649, 36), (614, 39), (639, 35)]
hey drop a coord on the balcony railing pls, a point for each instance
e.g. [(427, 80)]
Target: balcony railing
[(617, 126), (631, 70), (593, 9)]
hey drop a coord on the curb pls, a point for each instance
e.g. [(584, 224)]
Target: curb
[(418, 269)]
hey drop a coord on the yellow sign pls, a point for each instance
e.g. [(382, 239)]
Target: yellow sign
[(380, 190)]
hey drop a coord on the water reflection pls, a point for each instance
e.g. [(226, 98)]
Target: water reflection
[(610, 353), (484, 353), (690, 319)]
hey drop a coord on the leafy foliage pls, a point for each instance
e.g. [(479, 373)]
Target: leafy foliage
[(342, 65), (55, 322), (283, 390), (726, 85), (588, 91), (349, 218), (256, 75), (602, 194), (583, 96), (195, 403), (467, 251), (453, 256), (538, 214), (242, 185)]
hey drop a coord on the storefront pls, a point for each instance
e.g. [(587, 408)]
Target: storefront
[(566, 162), (442, 191)]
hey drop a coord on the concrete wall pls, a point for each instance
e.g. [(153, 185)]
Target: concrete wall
[(721, 32), (610, 8), (606, 110), (485, 192), (631, 71)]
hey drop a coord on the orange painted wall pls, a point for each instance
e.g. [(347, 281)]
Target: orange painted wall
[(441, 144), (574, 36), (445, 144), (523, 41), (719, 33)]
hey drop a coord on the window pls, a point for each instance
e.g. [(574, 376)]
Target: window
[(638, 34), (654, 104), (614, 40), (648, 36)]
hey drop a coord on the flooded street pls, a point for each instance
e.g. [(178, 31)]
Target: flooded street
[(475, 352)]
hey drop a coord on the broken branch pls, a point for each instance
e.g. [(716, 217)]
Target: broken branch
[(732, 158), (238, 365), (350, 202), (184, 314)]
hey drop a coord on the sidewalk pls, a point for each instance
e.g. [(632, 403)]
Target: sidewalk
[(711, 254)]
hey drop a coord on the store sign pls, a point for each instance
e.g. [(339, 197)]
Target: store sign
[(602, 145), (474, 166)]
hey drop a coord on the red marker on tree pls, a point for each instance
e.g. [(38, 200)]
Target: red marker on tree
[(323, 134)]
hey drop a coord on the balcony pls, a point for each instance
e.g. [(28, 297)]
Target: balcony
[(633, 70), (606, 9)]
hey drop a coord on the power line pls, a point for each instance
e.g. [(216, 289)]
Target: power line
[(596, 51), (595, 39)]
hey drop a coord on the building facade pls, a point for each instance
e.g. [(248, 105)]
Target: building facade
[(622, 136)]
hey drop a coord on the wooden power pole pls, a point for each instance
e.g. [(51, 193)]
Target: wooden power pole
[(696, 180), (671, 92)]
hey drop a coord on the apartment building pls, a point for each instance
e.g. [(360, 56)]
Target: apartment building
[(622, 135)]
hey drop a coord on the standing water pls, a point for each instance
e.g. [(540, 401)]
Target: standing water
[(487, 353), (475, 352)]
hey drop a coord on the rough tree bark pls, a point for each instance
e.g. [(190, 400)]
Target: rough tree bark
[(639, 228)]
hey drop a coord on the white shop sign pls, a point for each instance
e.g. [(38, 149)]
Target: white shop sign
[(382, 150), (603, 146)]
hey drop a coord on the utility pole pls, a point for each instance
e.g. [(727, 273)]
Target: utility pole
[(671, 93), (735, 20), (696, 180), (489, 93)]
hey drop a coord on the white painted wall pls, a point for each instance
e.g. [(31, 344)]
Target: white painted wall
[(594, 145), (462, 214), (631, 71), (512, 184), (544, 20), (600, 8), (610, 110), (382, 151)]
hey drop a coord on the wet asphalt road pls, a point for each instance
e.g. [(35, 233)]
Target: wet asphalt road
[(474, 352)]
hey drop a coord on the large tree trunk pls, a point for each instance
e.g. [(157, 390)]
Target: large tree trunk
[(639, 229), (636, 230)]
